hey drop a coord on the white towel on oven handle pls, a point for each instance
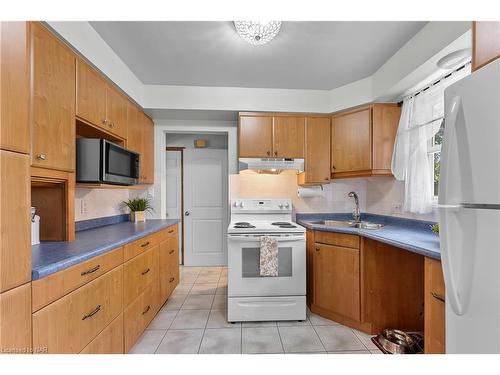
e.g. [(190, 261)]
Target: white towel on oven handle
[(268, 256)]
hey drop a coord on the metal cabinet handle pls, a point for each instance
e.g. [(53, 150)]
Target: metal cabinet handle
[(145, 272), (147, 309), (171, 279), (317, 249), (41, 157), (171, 252), (145, 244), (327, 178), (187, 213), (104, 121), (275, 153), (111, 125), (171, 231), (269, 153), (91, 314), (92, 270), (333, 167), (437, 296)]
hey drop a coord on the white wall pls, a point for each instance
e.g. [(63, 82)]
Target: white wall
[(99, 203), (215, 141)]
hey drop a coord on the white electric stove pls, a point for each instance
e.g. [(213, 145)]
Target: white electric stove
[(252, 297)]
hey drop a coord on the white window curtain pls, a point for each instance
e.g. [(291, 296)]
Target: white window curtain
[(421, 118)]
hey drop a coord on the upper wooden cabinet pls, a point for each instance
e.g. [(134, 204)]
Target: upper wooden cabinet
[(53, 101), (362, 141), (255, 138), (134, 129), (288, 136), (15, 224), (317, 149), (14, 87), (148, 154), (265, 136), (98, 102), (485, 43)]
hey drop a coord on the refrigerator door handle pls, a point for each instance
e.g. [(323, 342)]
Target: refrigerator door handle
[(450, 207)]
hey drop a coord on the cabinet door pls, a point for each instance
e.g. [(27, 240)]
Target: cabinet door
[(164, 270), (173, 262), (90, 95), (288, 136), (116, 112), (317, 161), (15, 320), (434, 315), (14, 87), (385, 126), (255, 138), (336, 280), (147, 155), (15, 224), (134, 130), (109, 341), (53, 122), (351, 142), (485, 43)]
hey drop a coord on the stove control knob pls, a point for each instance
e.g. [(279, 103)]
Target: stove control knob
[(280, 205), (241, 204), (235, 204), (287, 206)]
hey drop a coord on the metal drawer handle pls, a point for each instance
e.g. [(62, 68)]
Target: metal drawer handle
[(145, 244), (92, 270), (41, 157), (171, 279), (145, 272), (171, 252), (147, 309), (317, 249), (171, 231), (91, 314), (437, 296)]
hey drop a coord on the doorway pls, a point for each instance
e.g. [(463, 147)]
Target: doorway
[(197, 195)]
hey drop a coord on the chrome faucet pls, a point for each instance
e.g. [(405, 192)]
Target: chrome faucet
[(356, 214)]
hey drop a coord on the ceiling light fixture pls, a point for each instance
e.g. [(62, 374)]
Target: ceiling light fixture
[(454, 59), (257, 33)]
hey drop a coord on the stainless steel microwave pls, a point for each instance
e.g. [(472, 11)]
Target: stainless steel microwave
[(101, 161)]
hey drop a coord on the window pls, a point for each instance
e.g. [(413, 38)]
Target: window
[(434, 152)]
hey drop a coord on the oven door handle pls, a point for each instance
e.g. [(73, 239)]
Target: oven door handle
[(257, 238)]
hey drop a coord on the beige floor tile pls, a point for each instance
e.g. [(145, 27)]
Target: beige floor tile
[(182, 289), (300, 340), (174, 302), (221, 341), (351, 352), (187, 279), (222, 282), (261, 340), (186, 341), (218, 319), (336, 338), (376, 351), (294, 323), (317, 320), (198, 302), (190, 319), (258, 324), (148, 342), (365, 339), (163, 319), (220, 302), (207, 279), (204, 289), (221, 290)]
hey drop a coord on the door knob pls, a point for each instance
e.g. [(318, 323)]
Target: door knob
[(187, 213)]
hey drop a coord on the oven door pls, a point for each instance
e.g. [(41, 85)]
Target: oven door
[(244, 266)]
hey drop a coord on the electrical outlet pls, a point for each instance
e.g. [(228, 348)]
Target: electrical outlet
[(83, 207), (397, 208)]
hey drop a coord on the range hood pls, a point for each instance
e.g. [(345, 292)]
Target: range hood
[(271, 165)]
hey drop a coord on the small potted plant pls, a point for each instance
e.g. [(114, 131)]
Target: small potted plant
[(138, 208)]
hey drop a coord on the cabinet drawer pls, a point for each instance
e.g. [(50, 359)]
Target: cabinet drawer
[(337, 239), (135, 248), (109, 341), (169, 232), (59, 284), (138, 274), (70, 323), (138, 315)]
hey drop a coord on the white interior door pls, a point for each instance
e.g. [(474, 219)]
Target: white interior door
[(205, 207), (174, 190)]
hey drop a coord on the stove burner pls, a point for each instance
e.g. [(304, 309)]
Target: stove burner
[(279, 223), (243, 225), (288, 226)]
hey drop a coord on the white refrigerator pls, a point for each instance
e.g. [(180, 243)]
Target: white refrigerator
[(469, 209)]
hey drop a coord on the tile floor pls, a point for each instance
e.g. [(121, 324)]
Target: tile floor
[(194, 321)]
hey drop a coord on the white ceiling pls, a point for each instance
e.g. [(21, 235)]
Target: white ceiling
[(304, 55)]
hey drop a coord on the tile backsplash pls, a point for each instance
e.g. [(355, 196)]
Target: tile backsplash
[(96, 203)]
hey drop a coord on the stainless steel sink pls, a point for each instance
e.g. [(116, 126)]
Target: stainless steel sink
[(349, 223)]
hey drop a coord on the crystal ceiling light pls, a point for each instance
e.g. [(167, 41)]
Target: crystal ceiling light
[(257, 33)]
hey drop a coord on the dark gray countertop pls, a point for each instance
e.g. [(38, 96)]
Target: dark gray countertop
[(50, 257), (408, 234)]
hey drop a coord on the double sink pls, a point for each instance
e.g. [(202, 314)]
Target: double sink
[(349, 224)]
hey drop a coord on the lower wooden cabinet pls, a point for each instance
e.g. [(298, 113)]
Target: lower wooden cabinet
[(72, 322), (434, 327), (15, 320), (169, 263), (138, 273), (109, 341)]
